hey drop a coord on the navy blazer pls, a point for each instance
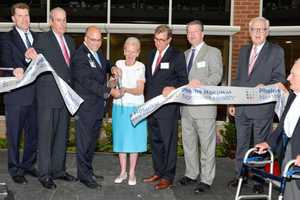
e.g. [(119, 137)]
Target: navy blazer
[(89, 80), (275, 140), (269, 68), (175, 76), (13, 55), (48, 94)]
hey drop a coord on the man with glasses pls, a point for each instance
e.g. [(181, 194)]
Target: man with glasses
[(89, 69), (166, 70), (260, 63), (20, 105)]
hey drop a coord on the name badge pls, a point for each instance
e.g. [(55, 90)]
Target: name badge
[(92, 63), (164, 65), (201, 64)]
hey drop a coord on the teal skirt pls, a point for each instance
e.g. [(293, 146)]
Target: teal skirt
[(126, 137)]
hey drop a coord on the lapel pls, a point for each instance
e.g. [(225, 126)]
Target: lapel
[(261, 56), (91, 57), (56, 45), (202, 52), (165, 58), (17, 40), (289, 102)]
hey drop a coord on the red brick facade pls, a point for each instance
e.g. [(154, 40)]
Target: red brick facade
[(244, 10)]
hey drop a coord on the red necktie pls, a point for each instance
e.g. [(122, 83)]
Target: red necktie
[(252, 60), (64, 50), (157, 62)]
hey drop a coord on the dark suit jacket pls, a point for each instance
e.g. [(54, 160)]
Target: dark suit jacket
[(13, 55), (89, 80), (48, 94), (275, 140), (175, 76), (269, 68)]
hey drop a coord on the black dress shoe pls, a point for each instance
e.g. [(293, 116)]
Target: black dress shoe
[(91, 184), (187, 181), (67, 177), (48, 183), (258, 188), (97, 177), (32, 172), (19, 179), (201, 187)]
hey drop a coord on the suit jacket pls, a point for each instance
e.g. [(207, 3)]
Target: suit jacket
[(269, 68), (13, 55), (207, 68), (175, 76), (89, 80), (47, 91), (275, 140)]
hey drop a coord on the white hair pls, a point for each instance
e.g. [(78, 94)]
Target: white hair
[(57, 9), (134, 42), (261, 19)]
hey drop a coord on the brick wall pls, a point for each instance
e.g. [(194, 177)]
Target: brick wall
[(244, 11)]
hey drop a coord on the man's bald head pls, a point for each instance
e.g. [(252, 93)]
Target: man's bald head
[(294, 77), (93, 38)]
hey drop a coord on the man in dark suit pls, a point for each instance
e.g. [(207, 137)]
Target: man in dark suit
[(89, 69), (260, 63), (53, 116), (20, 106), (165, 71), (285, 140)]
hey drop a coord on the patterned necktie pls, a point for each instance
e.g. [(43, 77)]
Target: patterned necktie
[(64, 50), (252, 60), (190, 64), (28, 44)]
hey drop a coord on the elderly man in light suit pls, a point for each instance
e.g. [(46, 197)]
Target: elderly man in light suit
[(204, 67)]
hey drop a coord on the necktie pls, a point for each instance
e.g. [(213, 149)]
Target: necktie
[(190, 64), (28, 44), (64, 50), (97, 58), (157, 62), (252, 60)]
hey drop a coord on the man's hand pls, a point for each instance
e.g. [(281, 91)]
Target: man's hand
[(116, 72), (195, 84), (31, 53), (297, 161), (281, 86), (112, 83), (260, 85), (231, 110), (18, 73), (262, 147), (167, 90)]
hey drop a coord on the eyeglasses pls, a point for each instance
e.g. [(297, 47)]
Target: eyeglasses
[(258, 30), (94, 39), (160, 40)]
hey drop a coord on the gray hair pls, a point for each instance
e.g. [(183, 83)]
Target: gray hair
[(51, 15), (261, 19), (133, 41), (195, 22)]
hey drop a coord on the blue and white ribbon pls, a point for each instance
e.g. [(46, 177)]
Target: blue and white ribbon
[(36, 67), (213, 95)]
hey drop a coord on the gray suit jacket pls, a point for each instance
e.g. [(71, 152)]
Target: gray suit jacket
[(269, 68), (207, 68)]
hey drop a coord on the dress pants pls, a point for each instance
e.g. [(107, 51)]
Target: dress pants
[(87, 134), (19, 118), (164, 142), (193, 132), (245, 127), (53, 134)]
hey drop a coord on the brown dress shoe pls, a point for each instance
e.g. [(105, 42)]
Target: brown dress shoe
[(163, 184), (151, 179)]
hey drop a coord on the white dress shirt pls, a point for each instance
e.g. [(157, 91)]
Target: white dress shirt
[(292, 117), (156, 57)]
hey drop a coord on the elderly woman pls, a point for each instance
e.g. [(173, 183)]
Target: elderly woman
[(129, 95)]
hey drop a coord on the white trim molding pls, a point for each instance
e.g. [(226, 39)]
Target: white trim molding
[(285, 31)]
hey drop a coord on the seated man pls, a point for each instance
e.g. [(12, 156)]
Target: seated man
[(285, 140)]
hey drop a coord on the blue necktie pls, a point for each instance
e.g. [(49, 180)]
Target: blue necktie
[(28, 44), (190, 64), (97, 58)]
